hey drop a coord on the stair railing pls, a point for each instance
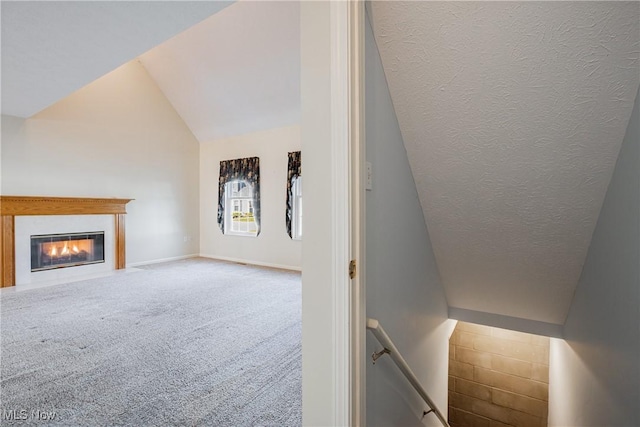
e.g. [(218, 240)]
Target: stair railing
[(389, 348)]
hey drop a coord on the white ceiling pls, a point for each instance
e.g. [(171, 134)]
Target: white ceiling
[(234, 73), (512, 114), (52, 48)]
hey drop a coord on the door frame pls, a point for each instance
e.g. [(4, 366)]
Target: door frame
[(332, 134), (347, 19), (357, 186)]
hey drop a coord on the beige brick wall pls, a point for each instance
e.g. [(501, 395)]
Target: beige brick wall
[(497, 378)]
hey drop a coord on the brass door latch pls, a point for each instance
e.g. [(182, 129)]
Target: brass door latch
[(352, 269)]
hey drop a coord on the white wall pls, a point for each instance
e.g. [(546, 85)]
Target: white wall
[(595, 371), (403, 285), (273, 246), (116, 137)]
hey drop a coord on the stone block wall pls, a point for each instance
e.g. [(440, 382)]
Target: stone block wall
[(497, 378)]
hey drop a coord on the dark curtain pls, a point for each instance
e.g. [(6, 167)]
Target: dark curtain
[(247, 169), (293, 171)]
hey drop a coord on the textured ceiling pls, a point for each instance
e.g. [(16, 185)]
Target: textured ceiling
[(512, 114), (52, 48), (234, 73)]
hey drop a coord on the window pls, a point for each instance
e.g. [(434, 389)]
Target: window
[(239, 209), (239, 197), (296, 208), (293, 215)]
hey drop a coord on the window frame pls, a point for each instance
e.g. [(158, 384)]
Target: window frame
[(230, 204), (296, 208)]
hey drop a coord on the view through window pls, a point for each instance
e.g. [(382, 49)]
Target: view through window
[(239, 209), (296, 217)]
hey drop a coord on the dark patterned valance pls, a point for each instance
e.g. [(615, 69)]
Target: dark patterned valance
[(293, 171), (247, 169)]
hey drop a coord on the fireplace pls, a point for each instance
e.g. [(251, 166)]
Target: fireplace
[(66, 250), (25, 216)]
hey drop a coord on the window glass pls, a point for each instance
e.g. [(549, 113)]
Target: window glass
[(296, 215), (239, 209)]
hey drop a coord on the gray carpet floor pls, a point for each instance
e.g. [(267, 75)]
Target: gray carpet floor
[(188, 343)]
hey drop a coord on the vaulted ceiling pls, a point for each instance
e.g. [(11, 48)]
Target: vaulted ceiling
[(53, 48), (512, 114), (234, 73), (226, 70)]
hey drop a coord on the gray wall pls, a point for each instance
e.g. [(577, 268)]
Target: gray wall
[(402, 281), (595, 374)]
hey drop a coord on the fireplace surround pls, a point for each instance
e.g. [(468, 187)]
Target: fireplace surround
[(12, 206)]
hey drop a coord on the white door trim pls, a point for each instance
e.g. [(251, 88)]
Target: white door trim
[(332, 149), (357, 187), (341, 212), (347, 103)]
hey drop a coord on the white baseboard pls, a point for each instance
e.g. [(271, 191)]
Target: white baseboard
[(158, 261), (258, 263)]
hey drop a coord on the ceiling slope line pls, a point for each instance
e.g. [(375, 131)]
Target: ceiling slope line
[(506, 322)]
